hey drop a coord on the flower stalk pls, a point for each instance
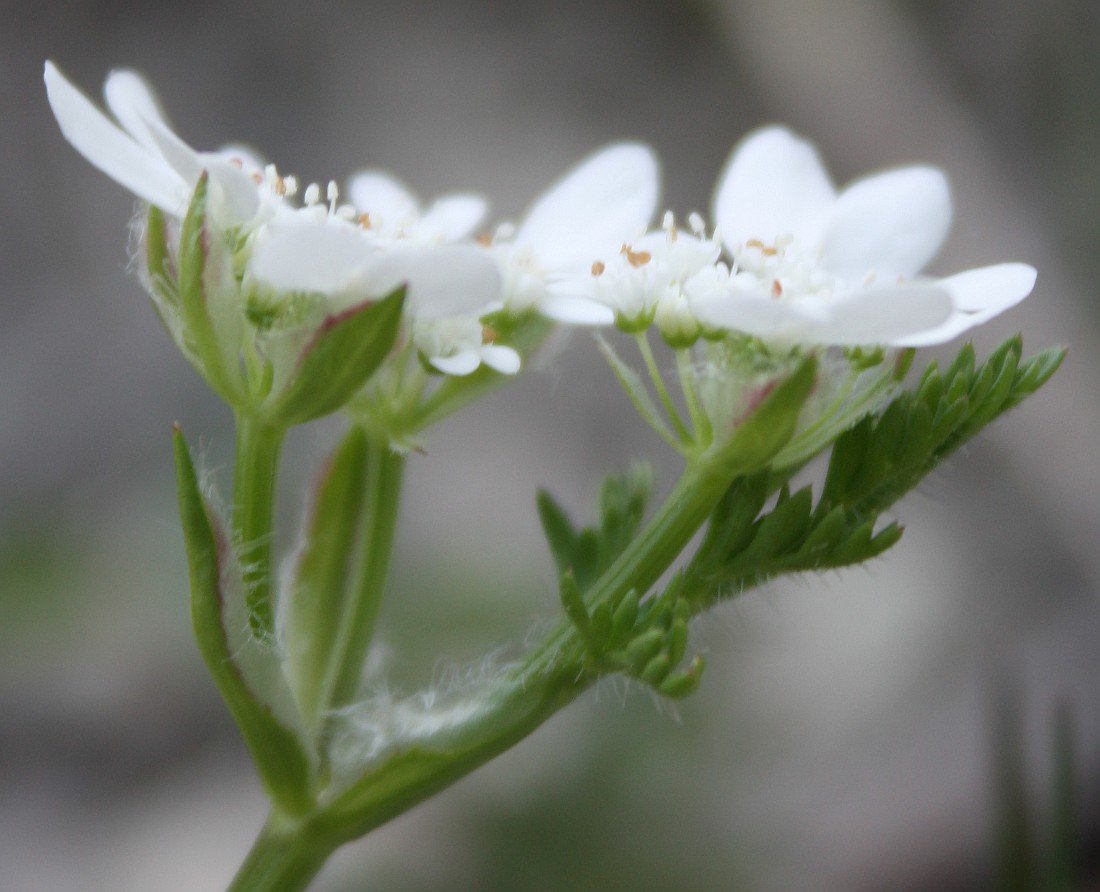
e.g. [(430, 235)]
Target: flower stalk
[(255, 474)]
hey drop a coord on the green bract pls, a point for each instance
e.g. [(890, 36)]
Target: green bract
[(279, 359)]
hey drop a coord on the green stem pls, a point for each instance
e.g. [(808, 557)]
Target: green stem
[(551, 677), (381, 500), (282, 860), (255, 472), (662, 391)]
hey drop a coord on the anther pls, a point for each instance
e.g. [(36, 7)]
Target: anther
[(598, 268), (635, 258)]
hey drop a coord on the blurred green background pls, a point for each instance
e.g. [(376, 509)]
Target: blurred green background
[(844, 736)]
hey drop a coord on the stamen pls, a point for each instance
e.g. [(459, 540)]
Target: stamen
[(635, 258), (488, 334), (698, 224), (485, 240), (598, 268), (313, 194), (332, 193), (777, 289), (754, 243)]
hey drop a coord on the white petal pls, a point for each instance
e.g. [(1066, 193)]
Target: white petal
[(575, 310), (607, 200), (884, 314), (320, 257), (979, 295), (454, 216), (891, 222), (773, 184), (238, 194), (460, 364), (109, 148), (132, 101), (747, 311), (500, 358), (443, 282), (991, 288), (378, 194)]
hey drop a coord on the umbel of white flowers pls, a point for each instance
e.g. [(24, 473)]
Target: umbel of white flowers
[(792, 262)]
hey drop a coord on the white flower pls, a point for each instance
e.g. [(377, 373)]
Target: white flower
[(335, 254), (145, 156), (644, 281), (812, 265), (389, 211), (458, 346), (608, 199)]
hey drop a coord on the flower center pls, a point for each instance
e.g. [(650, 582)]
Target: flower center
[(782, 268)]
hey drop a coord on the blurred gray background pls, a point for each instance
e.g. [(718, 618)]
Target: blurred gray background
[(844, 736)]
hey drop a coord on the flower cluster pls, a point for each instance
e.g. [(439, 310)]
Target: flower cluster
[(793, 261), (790, 263)]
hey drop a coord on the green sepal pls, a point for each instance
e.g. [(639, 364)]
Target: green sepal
[(343, 353), (198, 326), (157, 257), (315, 603), (769, 426), (280, 757)]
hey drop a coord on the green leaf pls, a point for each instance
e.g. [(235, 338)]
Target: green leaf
[(343, 353), (315, 603), (280, 757), (558, 530), (573, 603), (588, 552)]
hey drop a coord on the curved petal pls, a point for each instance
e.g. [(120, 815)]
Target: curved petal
[(606, 200), (501, 359), (460, 364), (320, 257), (454, 216), (884, 314), (379, 194), (239, 193), (111, 149), (991, 288), (773, 184), (979, 295), (133, 103), (443, 282), (892, 223)]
